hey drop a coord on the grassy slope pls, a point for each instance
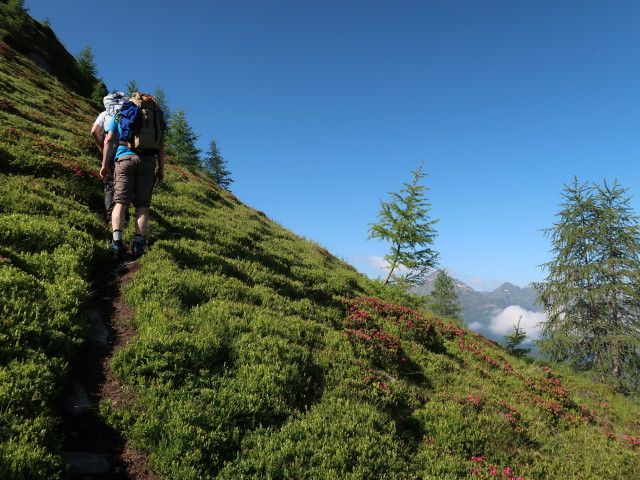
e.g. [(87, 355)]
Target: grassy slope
[(259, 354)]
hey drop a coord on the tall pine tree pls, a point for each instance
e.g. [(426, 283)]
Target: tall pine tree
[(216, 166), (404, 223), (591, 295)]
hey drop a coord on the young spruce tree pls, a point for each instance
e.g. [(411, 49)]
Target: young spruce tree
[(216, 166), (91, 87), (86, 63), (161, 99), (443, 300), (98, 93), (405, 224), (514, 340), (132, 86), (591, 295), (180, 141)]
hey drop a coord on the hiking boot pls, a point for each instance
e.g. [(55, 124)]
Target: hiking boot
[(117, 249), (137, 249)]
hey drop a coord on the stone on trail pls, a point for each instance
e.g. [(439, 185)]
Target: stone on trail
[(87, 463)]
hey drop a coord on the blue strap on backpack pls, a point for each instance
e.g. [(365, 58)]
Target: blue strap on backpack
[(128, 115)]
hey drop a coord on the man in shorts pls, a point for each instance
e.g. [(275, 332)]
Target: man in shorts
[(134, 176), (112, 104)]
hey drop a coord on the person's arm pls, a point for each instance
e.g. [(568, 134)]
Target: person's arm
[(160, 171), (107, 154), (96, 133), (96, 130)]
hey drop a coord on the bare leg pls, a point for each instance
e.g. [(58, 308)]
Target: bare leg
[(117, 216), (142, 220)]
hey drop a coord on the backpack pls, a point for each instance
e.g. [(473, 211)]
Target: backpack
[(142, 123), (113, 102)]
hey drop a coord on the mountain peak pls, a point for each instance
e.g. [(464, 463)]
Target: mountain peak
[(508, 287)]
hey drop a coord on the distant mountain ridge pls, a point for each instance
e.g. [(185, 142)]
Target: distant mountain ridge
[(480, 307)]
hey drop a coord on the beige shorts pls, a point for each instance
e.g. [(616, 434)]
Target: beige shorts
[(134, 178)]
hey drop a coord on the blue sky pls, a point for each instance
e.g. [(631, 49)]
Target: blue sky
[(323, 107)]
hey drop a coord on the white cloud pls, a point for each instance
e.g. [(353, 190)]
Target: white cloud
[(476, 326), (502, 323), (376, 262), (370, 265), (379, 264)]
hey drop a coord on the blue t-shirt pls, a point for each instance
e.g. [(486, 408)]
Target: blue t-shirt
[(122, 149)]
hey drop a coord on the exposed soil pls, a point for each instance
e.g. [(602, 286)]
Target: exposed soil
[(94, 450)]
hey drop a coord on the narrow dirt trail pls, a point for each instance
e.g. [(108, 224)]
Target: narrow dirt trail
[(93, 449)]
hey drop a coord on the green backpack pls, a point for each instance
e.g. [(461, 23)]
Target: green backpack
[(149, 128)]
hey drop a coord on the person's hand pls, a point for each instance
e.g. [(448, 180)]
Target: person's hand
[(105, 172)]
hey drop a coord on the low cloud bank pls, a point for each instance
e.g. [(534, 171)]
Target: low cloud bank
[(502, 323)]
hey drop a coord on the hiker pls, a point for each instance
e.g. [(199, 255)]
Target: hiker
[(138, 133), (112, 103)]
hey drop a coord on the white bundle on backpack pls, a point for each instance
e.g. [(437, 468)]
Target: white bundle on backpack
[(113, 102)]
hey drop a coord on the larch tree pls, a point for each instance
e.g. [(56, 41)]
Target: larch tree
[(404, 222), (591, 295), (618, 256)]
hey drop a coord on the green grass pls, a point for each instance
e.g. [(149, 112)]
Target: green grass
[(258, 353), (49, 245)]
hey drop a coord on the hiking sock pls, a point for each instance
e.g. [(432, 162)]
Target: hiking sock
[(117, 247)]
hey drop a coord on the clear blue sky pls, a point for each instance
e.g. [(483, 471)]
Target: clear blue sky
[(323, 107)]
